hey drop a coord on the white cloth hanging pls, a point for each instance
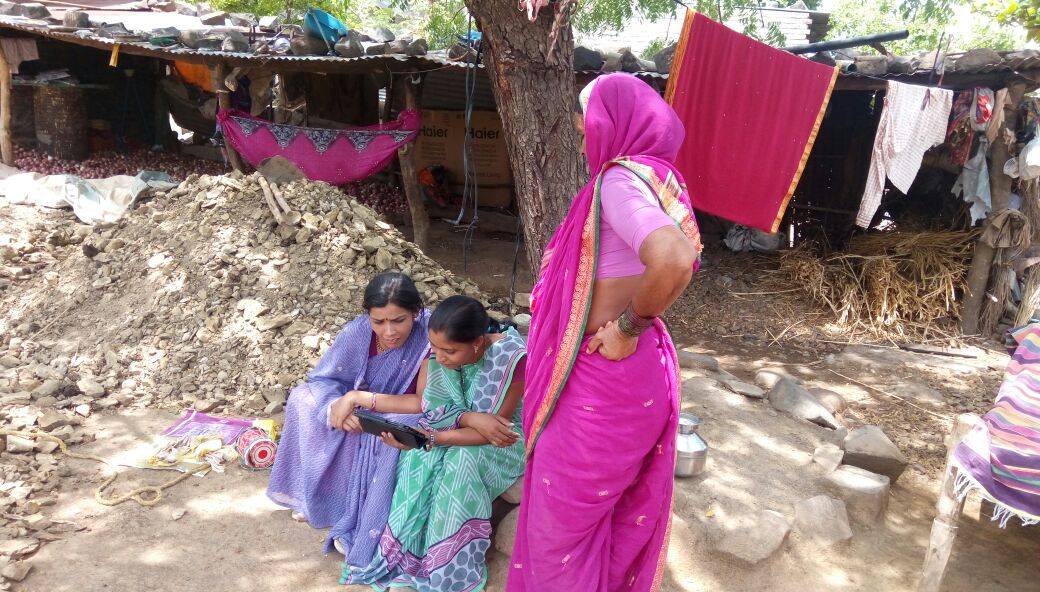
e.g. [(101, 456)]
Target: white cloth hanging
[(913, 120)]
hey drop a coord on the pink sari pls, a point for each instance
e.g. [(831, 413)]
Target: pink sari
[(600, 434)]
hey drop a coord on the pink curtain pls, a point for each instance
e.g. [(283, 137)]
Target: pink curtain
[(751, 114), (336, 156)]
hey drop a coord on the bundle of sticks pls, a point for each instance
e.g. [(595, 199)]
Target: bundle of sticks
[(889, 283)]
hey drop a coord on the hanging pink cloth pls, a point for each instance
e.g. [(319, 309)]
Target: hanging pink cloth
[(336, 156), (751, 112)]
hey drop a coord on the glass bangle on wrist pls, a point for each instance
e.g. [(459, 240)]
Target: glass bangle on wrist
[(632, 324), (429, 442)]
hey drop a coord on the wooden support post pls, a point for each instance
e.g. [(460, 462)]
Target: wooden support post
[(409, 174), (217, 75), (1000, 191), (6, 145), (944, 527)]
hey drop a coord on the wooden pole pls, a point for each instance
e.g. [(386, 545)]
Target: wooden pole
[(944, 527), (409, 174), (1000, 191), (6, 146), (217, 75)]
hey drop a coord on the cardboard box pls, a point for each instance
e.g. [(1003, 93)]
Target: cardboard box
[(441, 143)]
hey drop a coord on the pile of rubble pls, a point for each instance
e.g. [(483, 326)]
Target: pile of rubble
[(197, 298)]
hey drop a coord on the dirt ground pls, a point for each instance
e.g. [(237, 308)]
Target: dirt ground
[(220, 532)]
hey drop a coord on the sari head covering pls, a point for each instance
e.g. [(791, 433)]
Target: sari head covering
[(626, 124)]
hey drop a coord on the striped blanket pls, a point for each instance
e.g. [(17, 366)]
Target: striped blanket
[(1000, 457)]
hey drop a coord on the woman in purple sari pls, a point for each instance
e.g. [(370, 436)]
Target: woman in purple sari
[(339, 477), (601, 397)]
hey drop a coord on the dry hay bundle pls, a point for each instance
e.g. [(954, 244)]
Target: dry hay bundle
[(884, 283)]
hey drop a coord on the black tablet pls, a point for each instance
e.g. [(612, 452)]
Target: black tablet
[(375, 424)]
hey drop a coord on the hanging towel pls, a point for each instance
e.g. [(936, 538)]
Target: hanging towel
[(912, 121), (18, 50), (751, 114)]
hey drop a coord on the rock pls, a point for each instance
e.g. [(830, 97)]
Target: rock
[(83, 410), (828, 456), (214, 18), (793, 399), (280, 170), (178, 514), (664, 58), (694, 361), (270, 22), (46, 446), (34, 10), (515, 491), (275, 322), (757, 541), (273, 408), (10, 362), (871, 65), (419, 47), (977, 57), (349, 46), (505, 534), (311, 341), (375, 49), (768, 377), (743, 388), (51, 421), (869, 448), (47, 389), (523, 322), (587, 59), (91, 388), (256, 402), (206, 405), (19, 445), (822, 519), (522, 299), (303, 45), (865, 494), (382, 35), (252, 309), (16, 571), (18, 548), (832, 401)]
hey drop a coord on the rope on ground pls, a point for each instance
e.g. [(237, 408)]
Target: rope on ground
[(147, 496), (874, 388)]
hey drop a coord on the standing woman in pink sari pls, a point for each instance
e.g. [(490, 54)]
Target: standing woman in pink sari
[(601, 398)]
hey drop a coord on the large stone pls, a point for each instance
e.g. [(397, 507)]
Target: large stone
[(34, 10), (251, 308), (822, 519), (48, 389), (16, 571), (664, 58), (975, 58), (869, 448), (505, 534), (273, 322), (743, 388), (793, 399), (834, 402), (49, 422), (828, 456), (91, 388), (768, 377), (694, 361), (19, 445), (382, 35), (350, 46), (758, 541), (17, 548), (279, 169), (865, 494), (586, 59), (515, 491)]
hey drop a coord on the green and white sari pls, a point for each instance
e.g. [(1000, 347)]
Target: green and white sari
[(439, 527)]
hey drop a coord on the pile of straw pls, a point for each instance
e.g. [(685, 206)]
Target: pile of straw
[(899, 283)]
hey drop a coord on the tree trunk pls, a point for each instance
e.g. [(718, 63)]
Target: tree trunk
[(409, 173), (535, 95), (6, 145), (1000, 191)]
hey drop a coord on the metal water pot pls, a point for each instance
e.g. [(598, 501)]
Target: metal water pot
[(693, 450)]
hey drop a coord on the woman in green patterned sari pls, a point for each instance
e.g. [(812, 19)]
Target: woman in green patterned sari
[(439, 527)]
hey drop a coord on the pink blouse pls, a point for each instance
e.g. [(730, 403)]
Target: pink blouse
[(629, 212)]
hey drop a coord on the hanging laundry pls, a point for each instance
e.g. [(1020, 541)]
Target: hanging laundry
[(973, 183), (18, 50), (961, 133), (751, 114), (996, 122), (532, 7), (912, 121), (336, 156)]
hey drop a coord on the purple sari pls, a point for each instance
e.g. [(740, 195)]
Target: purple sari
[(334, 478), (600, 434)]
